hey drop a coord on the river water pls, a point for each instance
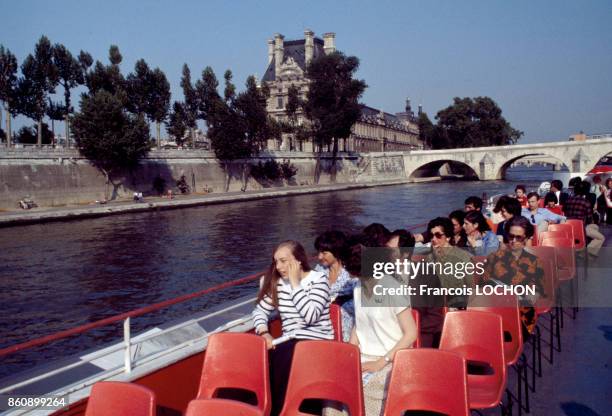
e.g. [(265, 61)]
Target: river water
[(56, 276)]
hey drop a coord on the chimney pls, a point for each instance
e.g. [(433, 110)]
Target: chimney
[(270, 50), (420, 109), (408, 106), (279, 52), (329, 43), (308, 45)]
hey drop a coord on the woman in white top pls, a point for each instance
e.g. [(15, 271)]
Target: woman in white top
[(302, 298), (383, 326)]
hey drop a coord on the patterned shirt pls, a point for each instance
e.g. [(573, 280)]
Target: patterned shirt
[(578, 207), (343, 288), (304, 311), (504, 267)]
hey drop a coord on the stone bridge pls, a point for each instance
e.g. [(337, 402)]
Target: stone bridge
[(490, 163)]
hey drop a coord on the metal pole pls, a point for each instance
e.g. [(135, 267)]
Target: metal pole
[(126, 340)]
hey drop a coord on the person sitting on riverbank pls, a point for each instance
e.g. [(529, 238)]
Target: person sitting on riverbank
[(383, 326), (519, 194), (515, 266), (472, 203), (508, 208), (540, 217), (331, 248), (480, 238), (459, 239), (302, 298)]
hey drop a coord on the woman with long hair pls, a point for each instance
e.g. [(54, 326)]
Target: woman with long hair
[(481, 239), (302, 298), (459, 237)]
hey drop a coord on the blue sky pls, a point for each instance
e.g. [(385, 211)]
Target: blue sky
[(548, 64)]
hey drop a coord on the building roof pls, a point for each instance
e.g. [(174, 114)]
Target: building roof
[(296, 50), (372, 115)]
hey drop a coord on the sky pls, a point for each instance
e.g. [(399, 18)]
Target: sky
[(547, 64)]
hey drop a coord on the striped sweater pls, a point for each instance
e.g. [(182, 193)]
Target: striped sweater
[(304, 311)]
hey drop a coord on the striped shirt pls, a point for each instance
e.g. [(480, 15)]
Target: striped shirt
[(304, 311)]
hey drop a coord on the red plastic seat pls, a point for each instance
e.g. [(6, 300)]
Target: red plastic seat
[(555, 234), (579, 236), (507, 307), (206, 407), (335, 315), (478, 337), (236, 361), (417, 321), (326, 370), (112, 398), (566, 260), (427, 380), (568, 228)]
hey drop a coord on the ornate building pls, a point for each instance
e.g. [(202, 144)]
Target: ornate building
[(375, 130)]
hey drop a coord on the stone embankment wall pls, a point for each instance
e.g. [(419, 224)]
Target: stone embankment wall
[(57, 177)]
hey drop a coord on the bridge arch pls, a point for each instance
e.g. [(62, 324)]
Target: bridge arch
[(444, 167), (501, 173)]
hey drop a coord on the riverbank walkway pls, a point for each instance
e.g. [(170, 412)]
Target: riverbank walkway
[(71, 212)]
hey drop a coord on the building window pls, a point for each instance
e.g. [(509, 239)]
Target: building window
[(279, 102)]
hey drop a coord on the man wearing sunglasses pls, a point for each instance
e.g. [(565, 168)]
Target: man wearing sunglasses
[(539, 217)]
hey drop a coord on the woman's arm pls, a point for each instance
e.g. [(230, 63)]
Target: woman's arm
[(311, 305), (354, 340), (261, 313), (409, 335)]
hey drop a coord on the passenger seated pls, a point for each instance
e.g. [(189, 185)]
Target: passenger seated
[(331, 246), (302, 298), (480, 238)]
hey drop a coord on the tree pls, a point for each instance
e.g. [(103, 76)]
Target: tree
[(56, 112), (292, 109), (332, 103), (426, 129), (8, 85), (106, 77), (192, 104), (40, 76), (29, 135), (471, 123), (176, 125), (110, 137), (70, 75)]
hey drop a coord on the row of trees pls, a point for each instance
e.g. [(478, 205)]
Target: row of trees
[(468, 122)]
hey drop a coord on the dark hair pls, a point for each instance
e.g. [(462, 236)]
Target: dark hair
[(476, 217), (512, 206), (354, 250), (519, 221), (377, 233), (473, 200), (406, 239), (550, 197), (457, 215), (521, 187), (532, 194), (443, 222), (582, 188), (608, 181), (574, 181), (557, 184), (269, 286), (500, 203), (333, 241)]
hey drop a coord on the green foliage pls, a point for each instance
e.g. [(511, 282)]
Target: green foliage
[(70, 73), (426, 129), (107, 77), (176, 125), (8, 75), (472, 123), (149, 92), (109, 136), (272, 171), (288, 170), (29, 135), (192, 99), (332, 103)]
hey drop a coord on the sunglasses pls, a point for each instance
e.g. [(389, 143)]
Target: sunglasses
[(519, 238), (438, 235)]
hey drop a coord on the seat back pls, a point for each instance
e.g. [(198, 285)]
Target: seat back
[(579, 236), (507, 307), (417, 321), (205, 407), (335, 314), (112, 398), (325, 370), (545, 303), (566, 259), (427, 380), (478, 337), (236, 361), (555, 234)]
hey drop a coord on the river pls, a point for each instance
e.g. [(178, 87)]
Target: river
[(59, 275)]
